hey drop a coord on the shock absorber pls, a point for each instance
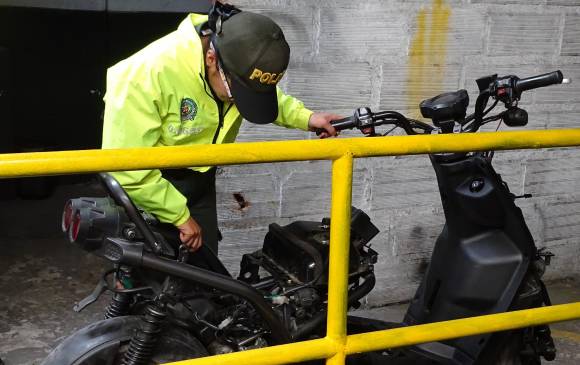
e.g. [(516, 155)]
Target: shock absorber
[(119, 305), (145, 338), (121, 302)]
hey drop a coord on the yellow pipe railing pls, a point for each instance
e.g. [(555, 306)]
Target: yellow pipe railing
[(398, 337), (440, 331), (336, 345), (289, 353), (71, 162), (339, 253)]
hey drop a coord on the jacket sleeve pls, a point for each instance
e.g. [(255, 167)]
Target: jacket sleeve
[(291, 112), (133, 107)]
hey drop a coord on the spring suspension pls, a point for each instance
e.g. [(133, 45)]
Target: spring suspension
[(144, 340), (119, 305), (121, 302)]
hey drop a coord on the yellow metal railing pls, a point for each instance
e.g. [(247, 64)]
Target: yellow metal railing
[(336, 345)]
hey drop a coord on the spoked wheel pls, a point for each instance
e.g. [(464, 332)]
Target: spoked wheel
[(105, 342)]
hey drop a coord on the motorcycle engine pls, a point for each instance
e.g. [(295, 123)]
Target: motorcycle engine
[(292, 268), (291, 271)]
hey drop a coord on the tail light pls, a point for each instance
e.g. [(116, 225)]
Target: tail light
[(75, 205), (67, 216), (75, 226), (88, 221)]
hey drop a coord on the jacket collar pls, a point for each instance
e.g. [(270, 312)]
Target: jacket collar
[(193, 45)]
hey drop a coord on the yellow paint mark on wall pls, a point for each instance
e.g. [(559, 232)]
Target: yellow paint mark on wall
[(427, 53)]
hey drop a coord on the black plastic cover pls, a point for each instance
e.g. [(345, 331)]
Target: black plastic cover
[(479, 259), (445, 107), (296, 246), (362, 229)]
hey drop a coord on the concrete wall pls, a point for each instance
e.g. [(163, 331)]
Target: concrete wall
[(390, 55)]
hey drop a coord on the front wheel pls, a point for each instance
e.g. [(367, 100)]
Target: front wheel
[(106, 341)]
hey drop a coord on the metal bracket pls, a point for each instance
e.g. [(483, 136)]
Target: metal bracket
[(102, 285)]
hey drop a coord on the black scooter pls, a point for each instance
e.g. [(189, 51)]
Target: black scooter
[(485, 260), (168, 306)]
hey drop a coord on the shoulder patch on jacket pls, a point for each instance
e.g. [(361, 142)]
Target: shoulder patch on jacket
[(188, 109)]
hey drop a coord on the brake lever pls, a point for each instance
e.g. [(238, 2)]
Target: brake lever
[(369, 131)]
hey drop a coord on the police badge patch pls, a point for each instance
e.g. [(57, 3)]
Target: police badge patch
[(188, 109)]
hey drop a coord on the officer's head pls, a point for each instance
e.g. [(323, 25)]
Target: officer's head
[(246, 59)]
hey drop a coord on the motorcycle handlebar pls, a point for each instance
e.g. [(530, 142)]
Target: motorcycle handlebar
[(534, 82), (364, 119), (339, 125), (344, 123)]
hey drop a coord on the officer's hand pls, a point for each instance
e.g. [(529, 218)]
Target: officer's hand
[(322, 121), (190, 234)]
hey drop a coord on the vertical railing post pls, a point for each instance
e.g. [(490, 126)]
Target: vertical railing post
[(339, 247)]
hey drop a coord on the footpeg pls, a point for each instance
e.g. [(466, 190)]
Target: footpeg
[(91, 298)]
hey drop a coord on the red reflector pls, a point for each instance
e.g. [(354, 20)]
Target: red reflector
[(76, 226), (67, 216)]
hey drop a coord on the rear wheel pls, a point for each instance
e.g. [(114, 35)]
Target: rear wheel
[(105, 342)]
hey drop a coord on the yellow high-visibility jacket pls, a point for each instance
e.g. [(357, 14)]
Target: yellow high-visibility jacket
[(160, 97)]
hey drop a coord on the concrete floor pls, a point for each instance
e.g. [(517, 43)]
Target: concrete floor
[(41, 276)]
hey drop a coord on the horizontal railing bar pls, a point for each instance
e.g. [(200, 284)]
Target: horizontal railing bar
[(393, 338), (439, 331), (89, 161), (290, 353)]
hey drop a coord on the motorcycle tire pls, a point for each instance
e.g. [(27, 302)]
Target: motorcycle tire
[(104, 342)]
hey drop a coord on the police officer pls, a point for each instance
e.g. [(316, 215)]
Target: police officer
[(194, 86)]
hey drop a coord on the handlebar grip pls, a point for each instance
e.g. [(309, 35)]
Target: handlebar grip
[(339, 125), (534, 82), (344, 123)]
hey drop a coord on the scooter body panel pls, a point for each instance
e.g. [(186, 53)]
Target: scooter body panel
[(480, 258)]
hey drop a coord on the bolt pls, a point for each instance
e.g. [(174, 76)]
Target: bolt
[(476, 185), (130, 234)]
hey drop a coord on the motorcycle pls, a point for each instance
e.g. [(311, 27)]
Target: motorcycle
[(170, 305)]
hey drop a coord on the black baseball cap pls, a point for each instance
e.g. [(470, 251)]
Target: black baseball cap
[(255, 54)]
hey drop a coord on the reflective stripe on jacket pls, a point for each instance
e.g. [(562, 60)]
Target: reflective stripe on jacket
[(160, 97)]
